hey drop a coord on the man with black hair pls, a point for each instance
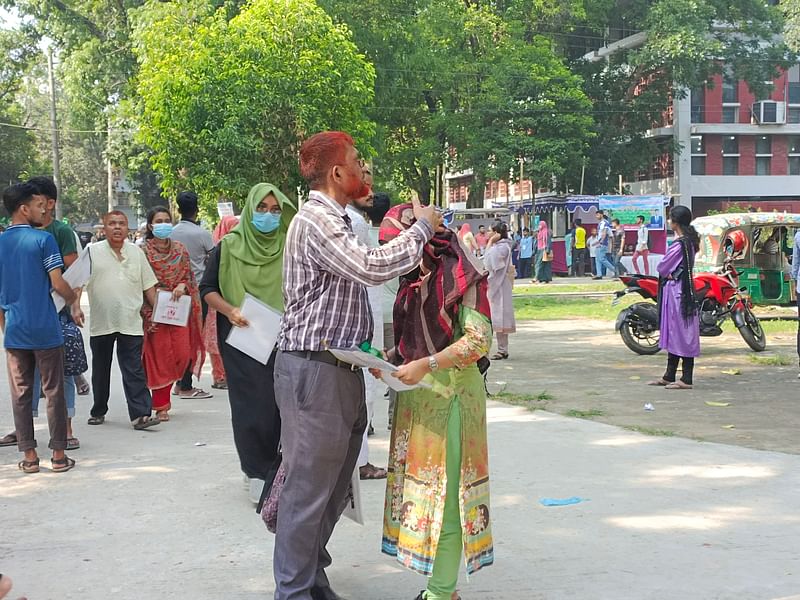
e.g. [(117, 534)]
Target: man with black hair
[(198, 243), (30, 264), (68, 247)]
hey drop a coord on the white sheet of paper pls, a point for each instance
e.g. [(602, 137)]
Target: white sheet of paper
[(172, 312), (353, 510), (259, 339), (76, 276), (366, 360)]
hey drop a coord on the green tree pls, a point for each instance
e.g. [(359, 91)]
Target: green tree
[(226, 103), (468, 85)]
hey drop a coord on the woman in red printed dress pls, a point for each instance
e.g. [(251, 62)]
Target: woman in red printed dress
[(168, 349)]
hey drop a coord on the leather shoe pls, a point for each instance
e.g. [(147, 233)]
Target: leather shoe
[(324, 593)]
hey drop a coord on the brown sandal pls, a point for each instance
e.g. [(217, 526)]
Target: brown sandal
[(678, 385), (659, 382), (29, 466), (370, 471), (62, 465)]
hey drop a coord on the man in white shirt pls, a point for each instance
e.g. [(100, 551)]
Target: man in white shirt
[(642, 246), (120, 276)]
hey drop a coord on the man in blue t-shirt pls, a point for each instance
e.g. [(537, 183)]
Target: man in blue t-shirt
[(525, 253), (30, 264)]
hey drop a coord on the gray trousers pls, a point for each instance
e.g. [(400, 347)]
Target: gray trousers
[(323, 416)]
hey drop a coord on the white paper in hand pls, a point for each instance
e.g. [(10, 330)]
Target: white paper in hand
[(366, 360), (76, 276), (259, 339), (172, 312)]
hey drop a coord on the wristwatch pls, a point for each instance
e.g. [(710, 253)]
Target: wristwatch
[(433, 364)]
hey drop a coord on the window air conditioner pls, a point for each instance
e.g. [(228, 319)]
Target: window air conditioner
[(769, 112)]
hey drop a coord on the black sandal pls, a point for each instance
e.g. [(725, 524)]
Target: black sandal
[(62, 465), (96, 420), (145, 423), (500, 356), (29, 466)]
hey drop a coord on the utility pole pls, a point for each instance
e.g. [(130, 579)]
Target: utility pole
[(112, 201), (521, 175), (54, 132)]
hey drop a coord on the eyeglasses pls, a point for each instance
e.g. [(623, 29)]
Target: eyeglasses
[(273, 211)]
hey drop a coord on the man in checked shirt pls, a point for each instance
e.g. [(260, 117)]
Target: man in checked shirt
[(326, 272)]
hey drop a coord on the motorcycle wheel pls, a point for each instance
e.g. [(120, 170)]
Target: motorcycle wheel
[(752, 332), (641, 343)]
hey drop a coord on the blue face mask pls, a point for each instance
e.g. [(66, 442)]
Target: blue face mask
[(162, 230), (266, 222)]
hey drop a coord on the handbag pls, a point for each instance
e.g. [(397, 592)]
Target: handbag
[(270, 495), (75, 361)]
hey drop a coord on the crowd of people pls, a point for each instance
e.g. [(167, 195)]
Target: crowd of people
[(345, 271)]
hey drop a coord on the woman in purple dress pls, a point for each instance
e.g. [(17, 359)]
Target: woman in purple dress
[(679, 321)]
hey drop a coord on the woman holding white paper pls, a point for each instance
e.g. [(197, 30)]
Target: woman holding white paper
[(436, 515), (169, 349), (249, 260)]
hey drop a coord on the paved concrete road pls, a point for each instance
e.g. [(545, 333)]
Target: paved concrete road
[(153, 515)]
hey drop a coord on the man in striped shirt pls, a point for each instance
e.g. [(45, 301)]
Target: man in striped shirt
[(323, 415)]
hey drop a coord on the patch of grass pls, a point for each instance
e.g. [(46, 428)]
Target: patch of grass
[(649, 431), (559, 288), (585, 414), (775, 360), (551, 309), (531, 402)]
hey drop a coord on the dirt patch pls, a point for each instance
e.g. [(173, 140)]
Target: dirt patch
[(581, 368)]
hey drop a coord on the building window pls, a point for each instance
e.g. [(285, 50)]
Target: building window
[(730, 90), (730, 155), (698, 105), (764, 145), (730, 165), (730, 114), (698, 155), (730, 145), (793, 114), (793, 144), (793, 76), (764, 155)]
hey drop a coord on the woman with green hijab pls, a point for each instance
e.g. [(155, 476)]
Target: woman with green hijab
[(249, 260)]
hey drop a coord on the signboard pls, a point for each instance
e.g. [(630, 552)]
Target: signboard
[(225, 209), (627, 208)]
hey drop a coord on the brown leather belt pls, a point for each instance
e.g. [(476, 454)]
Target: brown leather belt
[(323, 357)]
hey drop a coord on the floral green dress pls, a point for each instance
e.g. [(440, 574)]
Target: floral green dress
[(415, 489)]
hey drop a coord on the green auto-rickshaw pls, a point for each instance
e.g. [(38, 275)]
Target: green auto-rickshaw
[(765, 263)]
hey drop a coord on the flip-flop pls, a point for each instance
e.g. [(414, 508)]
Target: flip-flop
[(372, 472), (61, 465), (145, 423), (678, 385), (659, 383), (96, 420), (29, 466), (219, 385), (9, 440), (73, 443), (197, 394)]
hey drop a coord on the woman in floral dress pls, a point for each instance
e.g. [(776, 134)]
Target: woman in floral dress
[(437, 494)]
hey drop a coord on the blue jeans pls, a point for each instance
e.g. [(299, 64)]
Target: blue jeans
[(69, 393), (604, 262)]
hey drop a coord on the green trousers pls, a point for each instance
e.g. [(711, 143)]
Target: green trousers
[(447, 563)]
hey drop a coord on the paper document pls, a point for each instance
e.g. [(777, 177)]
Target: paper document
[(76, 276), (259, 339), (366, 360), (352, 509), (172, 312)]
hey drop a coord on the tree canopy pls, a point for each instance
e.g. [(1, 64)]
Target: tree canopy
[(227, 103)]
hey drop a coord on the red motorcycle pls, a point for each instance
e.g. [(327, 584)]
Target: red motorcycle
[(718, 295)]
